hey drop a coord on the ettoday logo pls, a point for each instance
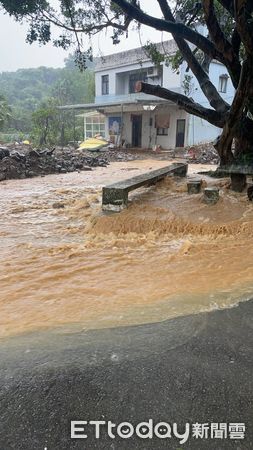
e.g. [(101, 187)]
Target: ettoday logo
[(126, 430), (161, 430)]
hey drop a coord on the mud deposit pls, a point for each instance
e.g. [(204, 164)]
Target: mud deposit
[(64, 262)]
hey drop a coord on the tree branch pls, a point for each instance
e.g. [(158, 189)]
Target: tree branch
[(228, 5), (48, 17), (178, 29), (243, 10), (236, 41), (68, 6), (184, 102), (222, 44), (224, 142), (214, 98)]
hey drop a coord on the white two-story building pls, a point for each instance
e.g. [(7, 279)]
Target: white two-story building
[(139, 120)]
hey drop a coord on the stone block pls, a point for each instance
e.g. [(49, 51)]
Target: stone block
[(211, 195), (194, 186)]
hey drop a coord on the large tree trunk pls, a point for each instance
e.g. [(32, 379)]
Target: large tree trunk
[(243, 154), (243, 151), (223, 146), (240, 156), (238, 125), (236, 148)]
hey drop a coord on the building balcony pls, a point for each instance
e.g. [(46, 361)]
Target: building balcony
[(127, 98)]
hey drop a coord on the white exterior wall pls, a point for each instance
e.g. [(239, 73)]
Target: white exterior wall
[(119, 85), (197, 130), (200, 130), (119, 80), (166, 142), (98, 84), (215, 71), (171, 79)]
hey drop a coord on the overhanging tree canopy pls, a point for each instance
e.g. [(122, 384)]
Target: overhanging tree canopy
[(230, 41)]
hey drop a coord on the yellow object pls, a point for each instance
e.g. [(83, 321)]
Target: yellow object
[(26, 142), (92, 144)]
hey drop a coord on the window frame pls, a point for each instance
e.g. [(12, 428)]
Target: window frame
[(105, 84), (162, 131), (223, 84), (94, 124)]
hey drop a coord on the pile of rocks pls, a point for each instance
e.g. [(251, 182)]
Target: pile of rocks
[(197, 154), (23, 161), (19, 161), (123, 155), (202, 154)]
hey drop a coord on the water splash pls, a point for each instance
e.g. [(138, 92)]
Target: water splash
[(168, 254)]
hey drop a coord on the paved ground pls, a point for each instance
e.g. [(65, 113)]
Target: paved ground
[(191, 369)]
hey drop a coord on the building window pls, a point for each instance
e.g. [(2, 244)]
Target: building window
[(162, 131), (133, 78), (94, 124), (162, 124), (223, 83), (105, 84)]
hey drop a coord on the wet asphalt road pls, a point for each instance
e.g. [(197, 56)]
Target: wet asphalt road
[(190, 369)]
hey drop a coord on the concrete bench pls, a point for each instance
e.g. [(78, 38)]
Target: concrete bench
[(115, 196), (238, 174), (236, 169)]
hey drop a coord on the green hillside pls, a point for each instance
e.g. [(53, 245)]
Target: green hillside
[(28, 91)]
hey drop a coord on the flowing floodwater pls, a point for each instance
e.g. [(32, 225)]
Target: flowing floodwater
[(65, 262)]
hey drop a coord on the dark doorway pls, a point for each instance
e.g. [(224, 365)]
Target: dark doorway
[(136, 130), (180, 133)]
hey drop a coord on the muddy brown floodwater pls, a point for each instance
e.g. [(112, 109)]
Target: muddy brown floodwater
[(168, 254)]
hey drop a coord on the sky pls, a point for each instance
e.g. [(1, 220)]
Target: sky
[(15, 53)]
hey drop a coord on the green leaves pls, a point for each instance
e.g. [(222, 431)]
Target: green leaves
[(40, 32), (21, 8), (153, 53)]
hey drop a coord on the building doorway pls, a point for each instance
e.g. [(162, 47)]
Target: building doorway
[(180, 135), (136, 130)]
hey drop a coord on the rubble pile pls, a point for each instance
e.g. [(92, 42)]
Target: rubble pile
[(22, 161), (120, 154), (197, 154), (201, 154)]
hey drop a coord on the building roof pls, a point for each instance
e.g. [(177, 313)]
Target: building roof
[(97, 106), (136, 55)]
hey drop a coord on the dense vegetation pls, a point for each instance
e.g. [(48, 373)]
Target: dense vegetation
[(29, 100)]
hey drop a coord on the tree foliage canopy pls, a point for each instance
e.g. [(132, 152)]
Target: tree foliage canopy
[(229, 40)]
